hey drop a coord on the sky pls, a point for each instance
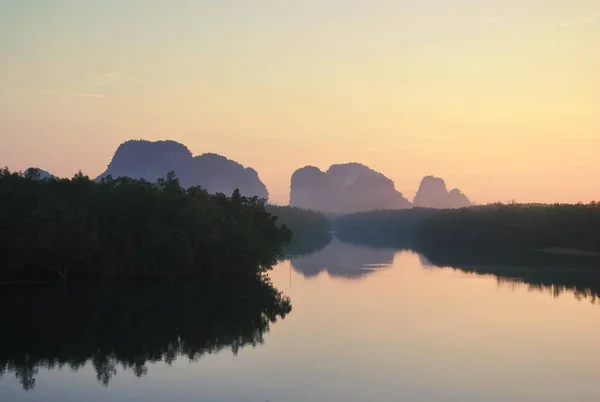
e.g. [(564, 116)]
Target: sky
[(501, 98)]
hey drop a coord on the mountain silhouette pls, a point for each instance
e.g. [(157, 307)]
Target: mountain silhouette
[(43, 174), (150, 160), (344, 188), (433, 193)]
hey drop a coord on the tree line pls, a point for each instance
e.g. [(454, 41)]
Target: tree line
[(505, 226), (302, 222), (382, 228), (129, 229), (514, 226), (311, 229)]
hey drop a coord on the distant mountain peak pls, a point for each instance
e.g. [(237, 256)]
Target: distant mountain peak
[(43, 174), (150, 160), (344, 188), (433, 193)]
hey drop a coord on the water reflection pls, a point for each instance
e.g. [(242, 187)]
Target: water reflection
[(376, 240), (554, 274), (127, 328), (355, 257), (306, 245), (346, 260), (415, 331)]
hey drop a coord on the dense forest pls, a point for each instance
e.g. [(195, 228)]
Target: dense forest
[(311, 229), (115, 328), (513, 226), (302, 222), (129, 229), (382, 228)]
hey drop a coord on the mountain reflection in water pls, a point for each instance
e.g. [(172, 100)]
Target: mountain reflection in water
[(358, 257), (128, 327), (340, 259), (553, 274)]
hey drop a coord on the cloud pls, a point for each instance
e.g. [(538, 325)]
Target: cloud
[(108, 78), (88, 95), (591, 20), (117, 74), (117, 78), (491, 21), (57, 93), (76, 94), (566, 23), (20, 91)]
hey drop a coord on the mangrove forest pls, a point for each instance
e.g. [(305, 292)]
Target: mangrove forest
[(127, 229)]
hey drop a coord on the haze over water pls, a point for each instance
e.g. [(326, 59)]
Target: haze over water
[(381, 325)]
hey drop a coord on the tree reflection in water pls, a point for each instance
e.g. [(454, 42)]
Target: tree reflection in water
[(539, 271), (116, 327), (554, 274)]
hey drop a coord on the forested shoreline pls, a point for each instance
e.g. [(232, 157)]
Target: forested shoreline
[(389, 228), (496, 226), (302, 222), (133, 230), (514, 226), (130, 230), (310, 229)]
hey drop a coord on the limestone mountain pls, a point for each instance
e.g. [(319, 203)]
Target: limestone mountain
[(150, 160), (433, 193), (42, 174), (344, 188)]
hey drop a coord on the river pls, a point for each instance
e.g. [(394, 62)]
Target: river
[(368, 324)]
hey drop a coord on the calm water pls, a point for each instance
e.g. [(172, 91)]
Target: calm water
[(369, 325)]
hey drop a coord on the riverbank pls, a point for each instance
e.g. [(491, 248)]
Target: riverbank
[(554, 229), (74, 230)]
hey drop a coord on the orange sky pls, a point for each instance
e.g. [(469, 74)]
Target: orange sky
[(501, 98)]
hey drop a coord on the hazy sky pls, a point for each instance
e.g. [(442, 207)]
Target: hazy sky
[(499, 97)]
